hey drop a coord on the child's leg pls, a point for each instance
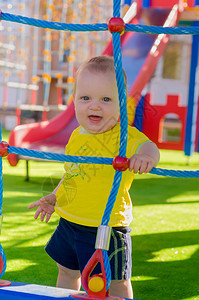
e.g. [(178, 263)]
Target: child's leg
[(68, 279), (121, 288)]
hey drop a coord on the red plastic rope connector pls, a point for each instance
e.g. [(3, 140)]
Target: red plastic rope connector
[(116, 24), (13, 159), (3, 149), (1, 264), (120, 163), (87, 284)]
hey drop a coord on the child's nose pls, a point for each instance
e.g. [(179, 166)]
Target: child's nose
[(94, 104)]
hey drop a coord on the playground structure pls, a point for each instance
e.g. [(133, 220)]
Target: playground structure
[(140, 54), (175, 123), (43, 61), (115, 28), (13, 66), (170, 104)]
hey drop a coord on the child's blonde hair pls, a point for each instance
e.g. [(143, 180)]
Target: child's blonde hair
[(103, 63)]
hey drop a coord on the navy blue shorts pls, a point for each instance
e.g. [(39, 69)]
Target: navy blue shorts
[(72, 245)]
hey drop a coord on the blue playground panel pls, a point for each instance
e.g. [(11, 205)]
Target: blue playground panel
[(26, 291)]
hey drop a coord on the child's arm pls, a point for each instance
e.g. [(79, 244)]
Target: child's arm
[(46, 205), (148, 157)]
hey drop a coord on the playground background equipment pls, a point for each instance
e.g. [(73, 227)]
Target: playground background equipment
[(139, 62), (168, 128), (43, 61)]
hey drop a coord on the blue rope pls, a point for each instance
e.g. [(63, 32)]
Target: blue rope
[(1, 178), (53, 25), (112, 197), (95, 160), (123, 130), (116, 8), (123, 125), (175, 173), (60, 157), (161, 29), (107, 268), (99, 26), (2, 254), (121, 91)]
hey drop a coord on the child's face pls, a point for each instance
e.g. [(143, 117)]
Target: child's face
[(96, 100)]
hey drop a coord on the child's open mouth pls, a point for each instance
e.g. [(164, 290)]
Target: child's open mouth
[(94, 118)]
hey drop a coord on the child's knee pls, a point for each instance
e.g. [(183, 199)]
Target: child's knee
[(121, 283), (121, 288), (72, 274)]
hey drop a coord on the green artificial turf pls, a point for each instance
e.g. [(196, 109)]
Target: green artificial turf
[(164, 230)]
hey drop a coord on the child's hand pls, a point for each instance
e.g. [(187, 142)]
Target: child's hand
[(141, 163), (45, 207)]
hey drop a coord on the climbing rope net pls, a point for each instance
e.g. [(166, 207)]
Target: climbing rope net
[(116, 26)]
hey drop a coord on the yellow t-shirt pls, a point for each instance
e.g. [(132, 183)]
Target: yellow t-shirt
[(84, 192)]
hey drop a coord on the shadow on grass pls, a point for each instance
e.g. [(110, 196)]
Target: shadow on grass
[(23, 193), (173, 279), (157, 190), (170, 278), (35, 266), (49, 182)]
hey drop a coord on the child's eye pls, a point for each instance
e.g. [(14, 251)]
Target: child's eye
[(106, 99), (85, 98)]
